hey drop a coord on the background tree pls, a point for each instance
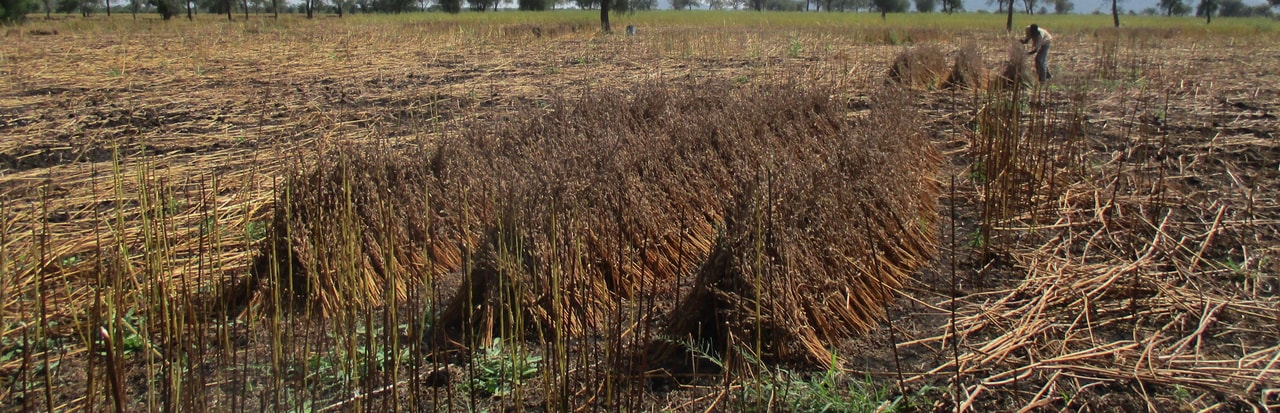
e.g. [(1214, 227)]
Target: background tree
[(604, 16), (166, 8), (339, 6), (783, 5), (1030, 5), (1205, 9), (1115, 12), (926, 6), (644, 4), (66, 6), (451, 6), (952, 6), (13, 11), (890, 6), (1008, 23), (1237, 8), (1063, 6), (1005, 6), (532, 5), (1174, 7), (685, 4), (482, 5)]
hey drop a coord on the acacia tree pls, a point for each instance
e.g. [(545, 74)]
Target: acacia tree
[(926, 6)]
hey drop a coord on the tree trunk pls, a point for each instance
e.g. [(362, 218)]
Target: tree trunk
[(1115, 12), (275, 9), (48, 11), (604, 15), (190, 16), (246, 10), (229, 18), (108, 8), (308, 9), (1008, 23)]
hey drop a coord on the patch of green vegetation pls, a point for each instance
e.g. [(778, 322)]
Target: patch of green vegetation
[(256, 230), (796, 48), (70, 261), (832, 390), (498, 370)]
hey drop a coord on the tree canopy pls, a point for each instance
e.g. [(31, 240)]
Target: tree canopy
[(13, 11)]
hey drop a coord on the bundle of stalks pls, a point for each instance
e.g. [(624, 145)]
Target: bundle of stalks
[(969, 70), (1017, 72), (921, 67), (811, 250), (552, 220)]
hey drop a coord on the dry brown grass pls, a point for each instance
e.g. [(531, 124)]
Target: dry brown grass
[(969, 71), (922, 67), (1017, 72)]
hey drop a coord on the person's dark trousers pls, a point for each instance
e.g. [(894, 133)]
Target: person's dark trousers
[(1042, 63)]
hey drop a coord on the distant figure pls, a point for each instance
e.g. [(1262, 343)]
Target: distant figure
[(631, 30), (1040, 40)]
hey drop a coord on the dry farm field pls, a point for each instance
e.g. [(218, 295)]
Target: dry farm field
[(728, 211)]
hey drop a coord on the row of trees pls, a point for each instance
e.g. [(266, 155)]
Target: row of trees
[(1208, 8), (1034, 6), (15, 10)]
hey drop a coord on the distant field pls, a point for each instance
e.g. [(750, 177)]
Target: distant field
[(729, 211)]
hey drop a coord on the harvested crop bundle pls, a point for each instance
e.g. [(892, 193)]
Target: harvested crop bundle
[(555, 220), (922, 66)]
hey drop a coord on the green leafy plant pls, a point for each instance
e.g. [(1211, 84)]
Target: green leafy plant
[(498, 371)]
